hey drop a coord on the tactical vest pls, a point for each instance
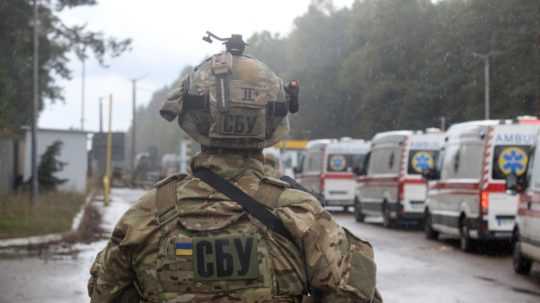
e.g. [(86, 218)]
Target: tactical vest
[(226, 257)]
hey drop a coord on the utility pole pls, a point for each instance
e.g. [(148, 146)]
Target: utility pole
[(101, 114), (35, 107), (485, 58), (134, 120), (133, 123), (487, 86), (83, 90), (443, 123), (107, 179)]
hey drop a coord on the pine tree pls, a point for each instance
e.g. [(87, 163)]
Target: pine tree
[(49, 166)]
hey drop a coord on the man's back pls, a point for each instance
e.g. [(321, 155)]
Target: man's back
[(205, 247), (188, 242)]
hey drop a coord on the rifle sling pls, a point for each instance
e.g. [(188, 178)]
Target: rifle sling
[(249, 204)]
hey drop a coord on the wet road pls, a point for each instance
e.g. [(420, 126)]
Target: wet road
[(411, 269)]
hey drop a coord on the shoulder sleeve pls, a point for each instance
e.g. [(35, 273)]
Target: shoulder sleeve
[(112, 273), (340, 266)]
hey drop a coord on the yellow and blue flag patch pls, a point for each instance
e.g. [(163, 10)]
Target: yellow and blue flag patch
[(184, 248)]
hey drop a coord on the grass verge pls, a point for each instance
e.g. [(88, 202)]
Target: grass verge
[(54, 213)]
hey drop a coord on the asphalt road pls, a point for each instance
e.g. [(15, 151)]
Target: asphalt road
[(410, 268), (413, 269)]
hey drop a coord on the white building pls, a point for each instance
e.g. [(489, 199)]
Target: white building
[(73, 153)]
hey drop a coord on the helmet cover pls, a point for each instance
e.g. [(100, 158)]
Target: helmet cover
[(231, 101)]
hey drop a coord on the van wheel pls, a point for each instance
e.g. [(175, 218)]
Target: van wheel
[(429, 232), (388, 222), (358, 215), (521, 264), (465, 242)]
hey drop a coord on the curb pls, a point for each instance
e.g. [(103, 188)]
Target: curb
[(50, 238)]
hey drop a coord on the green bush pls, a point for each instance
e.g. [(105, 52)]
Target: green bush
[(49, 166)]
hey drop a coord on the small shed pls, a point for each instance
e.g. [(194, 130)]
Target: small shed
[(73, 153)]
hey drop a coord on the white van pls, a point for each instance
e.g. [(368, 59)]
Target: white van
[(170, 165), (275, 154), (468, 195), (392, 185), (326, 169), (526, 233), (290, 152)]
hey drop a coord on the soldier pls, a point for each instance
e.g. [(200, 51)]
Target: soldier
[(227, 232)]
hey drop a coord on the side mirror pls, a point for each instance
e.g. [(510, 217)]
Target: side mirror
[(515, 184), (430, 174)]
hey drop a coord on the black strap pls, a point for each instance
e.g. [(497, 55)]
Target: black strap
[(250, 205)]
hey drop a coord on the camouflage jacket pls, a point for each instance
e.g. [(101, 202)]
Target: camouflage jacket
[(148, 253)]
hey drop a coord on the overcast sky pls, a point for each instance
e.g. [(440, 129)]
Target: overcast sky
[(166, 36)]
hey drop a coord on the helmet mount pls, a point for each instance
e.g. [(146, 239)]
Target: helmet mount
[(234, 44)]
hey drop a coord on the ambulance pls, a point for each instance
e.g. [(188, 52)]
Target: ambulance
[(526, 232), (391, 185), (290, 152), (467, 196), (326, 169), (275, 155)]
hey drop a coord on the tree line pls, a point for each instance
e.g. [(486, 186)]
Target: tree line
[(374, 66), (384, 64)]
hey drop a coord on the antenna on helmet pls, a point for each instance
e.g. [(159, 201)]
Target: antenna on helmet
[(234, 44)]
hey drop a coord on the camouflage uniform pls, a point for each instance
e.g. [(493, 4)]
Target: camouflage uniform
[(135, 254), (187, 242), (271, 166)]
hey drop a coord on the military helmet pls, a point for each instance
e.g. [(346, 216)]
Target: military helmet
[(233, 101)]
